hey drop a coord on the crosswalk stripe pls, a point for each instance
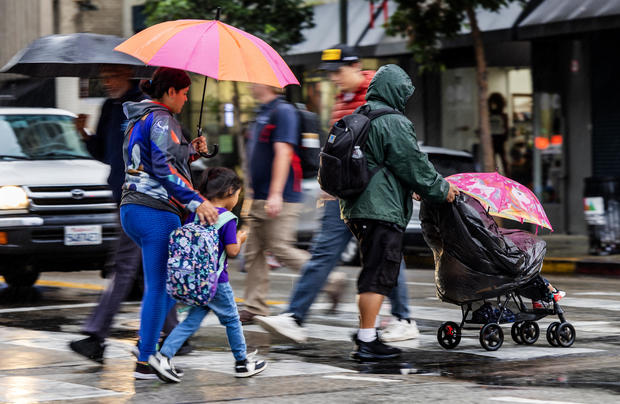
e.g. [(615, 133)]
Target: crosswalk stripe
[(361, 378), (29, 389), (509, 399)]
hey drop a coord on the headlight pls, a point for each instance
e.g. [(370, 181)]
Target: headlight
[(13, 198)]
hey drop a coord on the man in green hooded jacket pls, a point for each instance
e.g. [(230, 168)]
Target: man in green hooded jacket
[(379, 215)]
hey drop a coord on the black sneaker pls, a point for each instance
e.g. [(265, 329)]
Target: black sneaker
[(91, 348), (374, 350), (249, 366), (164, 368), (144, 372)]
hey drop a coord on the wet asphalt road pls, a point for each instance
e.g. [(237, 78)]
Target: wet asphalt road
[(36, 325)]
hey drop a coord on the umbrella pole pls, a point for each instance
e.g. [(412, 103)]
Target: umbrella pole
[(215, 147), (202, 104)]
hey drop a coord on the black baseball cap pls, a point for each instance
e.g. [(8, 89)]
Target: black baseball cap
[(337, 56)]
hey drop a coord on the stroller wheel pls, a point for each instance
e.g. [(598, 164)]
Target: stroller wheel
[(449, 335), (529, 332), (491, 337), (515, 332), (551, 334), (565, 334)]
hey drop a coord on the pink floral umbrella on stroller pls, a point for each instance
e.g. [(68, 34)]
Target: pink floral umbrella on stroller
[(502, 197)]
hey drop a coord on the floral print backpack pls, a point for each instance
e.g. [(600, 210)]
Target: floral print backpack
[(193, 266)]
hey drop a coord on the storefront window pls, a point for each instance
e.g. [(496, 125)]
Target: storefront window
[(521, 143), (510, 111), (548, 157)]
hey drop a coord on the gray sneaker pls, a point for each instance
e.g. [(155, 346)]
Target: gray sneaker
[(164, 368), (283, 325)]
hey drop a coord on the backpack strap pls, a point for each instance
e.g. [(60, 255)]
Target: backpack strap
[(372, 114), (376, 113), (223, 218)]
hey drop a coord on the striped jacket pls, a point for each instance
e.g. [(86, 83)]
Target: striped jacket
[(156, 156)]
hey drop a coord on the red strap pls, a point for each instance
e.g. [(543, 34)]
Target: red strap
[(372, 14), (385, 11)]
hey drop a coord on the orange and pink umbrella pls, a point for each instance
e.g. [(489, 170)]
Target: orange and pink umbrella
[(502, 197), (210, 48)]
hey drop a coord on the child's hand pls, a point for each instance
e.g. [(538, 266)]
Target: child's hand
[(242, 235)]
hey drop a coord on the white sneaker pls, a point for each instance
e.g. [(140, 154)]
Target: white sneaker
[(400, 330), (283, 325), (250, 366), (165, 370)]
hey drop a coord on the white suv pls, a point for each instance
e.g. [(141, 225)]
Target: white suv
[(56, 209)]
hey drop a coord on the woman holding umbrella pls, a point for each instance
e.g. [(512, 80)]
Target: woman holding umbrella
[(156, 193)]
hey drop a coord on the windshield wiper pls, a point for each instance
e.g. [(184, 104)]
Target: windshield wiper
[(9, 156), (62, 155)]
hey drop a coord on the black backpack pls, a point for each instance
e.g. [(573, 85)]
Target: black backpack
[(309, 140), (343, 170)]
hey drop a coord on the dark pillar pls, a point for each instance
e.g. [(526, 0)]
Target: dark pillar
[(578, 142), (343, 21)]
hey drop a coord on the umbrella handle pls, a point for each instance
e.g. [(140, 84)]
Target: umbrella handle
[(215, 148)]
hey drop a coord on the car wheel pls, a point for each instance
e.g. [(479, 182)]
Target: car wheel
[(20, 275), (350, 256)]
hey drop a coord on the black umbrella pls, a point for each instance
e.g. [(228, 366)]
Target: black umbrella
[(73, 55)]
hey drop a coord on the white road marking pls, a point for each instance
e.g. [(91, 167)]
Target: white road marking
[(349, 279), (34, 389), (596, 293), (56, 307), (591, 304), (223, 362), (361, 378), (58, 341), (513, 352), (509, 399)]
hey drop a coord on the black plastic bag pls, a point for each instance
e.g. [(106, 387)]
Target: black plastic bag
[(474, 258)]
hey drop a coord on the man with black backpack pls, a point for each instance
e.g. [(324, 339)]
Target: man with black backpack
[(344, 69), (378, 214), (276, 173)]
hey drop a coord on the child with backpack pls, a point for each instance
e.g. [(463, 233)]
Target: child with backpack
[(221, 186)]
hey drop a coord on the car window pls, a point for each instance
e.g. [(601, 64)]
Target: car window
[(447, 164), (38, 136)]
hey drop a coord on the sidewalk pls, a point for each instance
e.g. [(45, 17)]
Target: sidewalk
[(569, 254)]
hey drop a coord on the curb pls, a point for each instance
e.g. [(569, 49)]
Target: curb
[(583, 265), (607, 266), (587, 265), (553, 265)]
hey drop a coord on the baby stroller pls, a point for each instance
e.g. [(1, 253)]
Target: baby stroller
[(477, 262)]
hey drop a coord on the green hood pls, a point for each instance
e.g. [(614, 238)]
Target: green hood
[(392, 146), (392, 86)]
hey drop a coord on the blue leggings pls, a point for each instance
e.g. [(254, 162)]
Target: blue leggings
[(150, 229)]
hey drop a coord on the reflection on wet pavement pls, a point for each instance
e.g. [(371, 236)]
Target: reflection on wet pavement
[(41, 367)]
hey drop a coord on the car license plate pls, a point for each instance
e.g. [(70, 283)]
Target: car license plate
[(83, 235)]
